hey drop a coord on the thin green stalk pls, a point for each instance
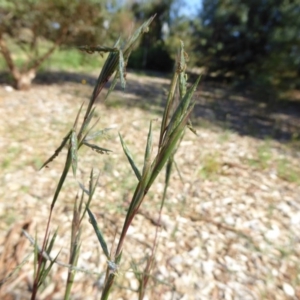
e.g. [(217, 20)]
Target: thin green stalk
[(168, 107), (62, 179), (74, 246), (36, 279)]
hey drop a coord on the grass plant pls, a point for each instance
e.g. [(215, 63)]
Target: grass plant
[(175, 120), (263, 156), (211, 166), (287, 171)]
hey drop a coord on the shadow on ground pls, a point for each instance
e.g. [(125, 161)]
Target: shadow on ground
[(245, 112)]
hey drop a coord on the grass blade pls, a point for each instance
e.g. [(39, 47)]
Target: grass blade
[(132, 40), (122, 69), (92, 185), (99, 234), (62, 178), (130, 159), (74, 147), (58, 150), (168, 148), (182, 74), (46, 271), (182, 108), (50, 247), (168, 106), (97, 148), (110, 66), (148, 151), (90, 192)]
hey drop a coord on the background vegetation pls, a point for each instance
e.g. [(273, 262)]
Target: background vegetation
[(242, 42)]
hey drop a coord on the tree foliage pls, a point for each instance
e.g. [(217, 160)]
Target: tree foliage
[(30, 23), (153, 53), (250, 39)]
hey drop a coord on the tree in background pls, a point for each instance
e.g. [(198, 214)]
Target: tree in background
[(249, 39), (182, 28), (152, 53), (39, 27)]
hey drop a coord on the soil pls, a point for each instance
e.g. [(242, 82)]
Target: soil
[(231, 221)]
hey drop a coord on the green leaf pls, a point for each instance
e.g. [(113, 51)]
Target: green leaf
[(46, 271), (97, 148), (75, 252), (117, 74), (167, 179), (50, 247), (109, 67), (74, 147), (182, 108), (92, 187), (168, 148), (99, 234), (130, 159), (58, 150), (62, 177), (148, 151), (122, 69), (168, 106), (181, 69)]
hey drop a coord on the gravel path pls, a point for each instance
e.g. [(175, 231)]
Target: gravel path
[(230, 227)]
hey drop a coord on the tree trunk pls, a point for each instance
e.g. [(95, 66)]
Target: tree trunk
[(23, 81)]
